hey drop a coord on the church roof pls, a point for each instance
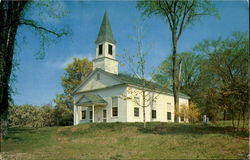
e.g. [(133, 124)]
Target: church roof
[(91, 99), (127, 79), (136, 82), (105, 32)]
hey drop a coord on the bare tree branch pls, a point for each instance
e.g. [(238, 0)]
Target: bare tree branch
[(39, 27)]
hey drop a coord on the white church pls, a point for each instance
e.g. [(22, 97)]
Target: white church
[(109, 96)]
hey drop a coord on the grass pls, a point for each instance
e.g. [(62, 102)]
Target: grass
[(127, 141)]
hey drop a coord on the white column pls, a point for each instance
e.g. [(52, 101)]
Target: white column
[(93, 113), (75, 115)]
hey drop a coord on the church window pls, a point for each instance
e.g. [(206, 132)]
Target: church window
[(98, 76), (110, 49), (136, 111), (100, 49), (114, 106), (84, 114), (91, 116), (154, 114), (169, 115), (136, 106)]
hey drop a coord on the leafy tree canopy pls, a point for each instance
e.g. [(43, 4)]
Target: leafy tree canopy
[(74, 74)]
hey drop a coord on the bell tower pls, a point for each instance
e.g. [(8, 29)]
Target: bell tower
[(105, 48)]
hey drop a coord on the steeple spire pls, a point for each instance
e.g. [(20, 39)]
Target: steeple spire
[(105, 48), (105, 32)]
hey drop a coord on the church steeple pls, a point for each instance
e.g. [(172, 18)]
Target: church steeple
[(105, 32), (105, 48)]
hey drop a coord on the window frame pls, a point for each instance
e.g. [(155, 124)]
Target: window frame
[(91, 116), (85, 114), (136, 110), (169, 118), (114, 107), (100, 49), (110, 49), (104, 115), (153, 112)]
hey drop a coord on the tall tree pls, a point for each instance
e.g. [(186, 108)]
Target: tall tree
[(75, 72), (190, 72), (193, 82), (178, 14), (12, 16), (226, 65)]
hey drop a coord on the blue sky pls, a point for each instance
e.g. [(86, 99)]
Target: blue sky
[(39, 80)]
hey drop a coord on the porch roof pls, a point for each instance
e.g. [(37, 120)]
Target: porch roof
[(90, 99)]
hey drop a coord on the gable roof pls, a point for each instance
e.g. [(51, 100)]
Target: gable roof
[(91, 99), (133, 81), (105, 32), (127, 79)]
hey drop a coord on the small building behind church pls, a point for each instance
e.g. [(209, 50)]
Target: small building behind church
[(101, 97)]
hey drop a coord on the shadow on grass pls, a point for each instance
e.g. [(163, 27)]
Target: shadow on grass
[(194, 129), (161, 128), (22, 134), (14, 133)]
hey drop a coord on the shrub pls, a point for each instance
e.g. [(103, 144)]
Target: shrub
[(35, 116)]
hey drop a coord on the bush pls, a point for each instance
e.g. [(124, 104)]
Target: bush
[(35, 116)]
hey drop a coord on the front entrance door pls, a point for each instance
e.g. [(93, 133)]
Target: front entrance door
[(90, 116), (104, 115)]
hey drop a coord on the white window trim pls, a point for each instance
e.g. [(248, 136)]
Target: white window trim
[(138, 112), (112, 107), (136, 106), (155, 113), (170, 116)]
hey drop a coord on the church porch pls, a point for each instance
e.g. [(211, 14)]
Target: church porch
[(90, 109)]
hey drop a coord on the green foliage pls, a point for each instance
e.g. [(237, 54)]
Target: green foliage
[(190, 71), (191, 112), (75, 73), (179, 15), (37, 15), (35, 116), (31, 116), (73, 76), (63, 115), (23, 13), (225, 65), (215, 76)]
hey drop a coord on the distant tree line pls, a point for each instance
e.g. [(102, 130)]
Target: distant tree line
[(214, 75)]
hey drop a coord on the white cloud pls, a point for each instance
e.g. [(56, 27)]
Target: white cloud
[(61, 64), (69, 60)]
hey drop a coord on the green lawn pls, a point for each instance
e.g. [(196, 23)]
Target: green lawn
[(126, 141)]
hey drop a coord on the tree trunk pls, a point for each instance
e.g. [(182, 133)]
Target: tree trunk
[(10, 13), (243, 118), (175, 77), (225, 112), (4, 122), (144, 105), (238, 119), (233, 119)]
